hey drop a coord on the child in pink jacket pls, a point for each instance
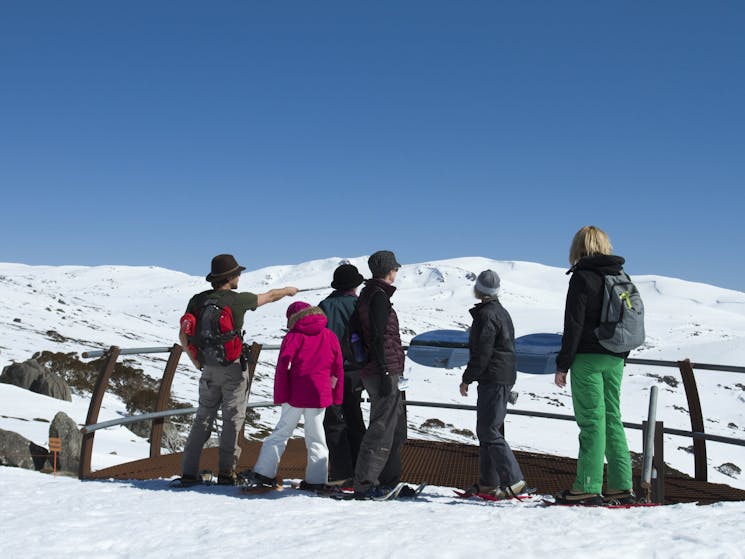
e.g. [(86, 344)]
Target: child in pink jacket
[(308, 379)]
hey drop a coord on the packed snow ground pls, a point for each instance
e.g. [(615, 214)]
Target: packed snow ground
[(61, 517), (73, 309)]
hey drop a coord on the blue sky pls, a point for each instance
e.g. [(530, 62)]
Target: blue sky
[(162, 133)]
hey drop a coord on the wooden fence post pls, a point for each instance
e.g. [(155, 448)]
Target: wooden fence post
[(86, 448), (697, 418), (156, 429)]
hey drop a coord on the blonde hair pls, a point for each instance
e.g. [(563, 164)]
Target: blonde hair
[(589, 241)]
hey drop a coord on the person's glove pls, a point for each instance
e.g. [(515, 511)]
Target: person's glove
[(386, 384)]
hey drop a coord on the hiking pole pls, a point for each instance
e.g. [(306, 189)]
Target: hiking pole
[(649, 445), (312, 289)]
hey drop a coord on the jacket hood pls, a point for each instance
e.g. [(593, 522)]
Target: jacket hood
[(608, 264), (483, 303), (310, 320)]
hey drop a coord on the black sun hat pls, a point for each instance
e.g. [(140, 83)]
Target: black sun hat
[(346, 276), (224, 266)]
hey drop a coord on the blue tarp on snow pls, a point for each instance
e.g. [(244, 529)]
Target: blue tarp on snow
[(440, 348), (536, 353)]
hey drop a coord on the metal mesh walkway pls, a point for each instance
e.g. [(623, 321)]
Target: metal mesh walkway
[(438, 463)]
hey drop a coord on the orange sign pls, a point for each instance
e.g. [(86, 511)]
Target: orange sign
[(55, 444)]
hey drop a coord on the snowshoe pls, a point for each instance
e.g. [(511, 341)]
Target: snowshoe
[(620, 497), (251, 482), (571, 498), (205, 477)]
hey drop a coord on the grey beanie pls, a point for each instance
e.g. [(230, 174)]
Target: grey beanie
[(487, 283), (382, 262)]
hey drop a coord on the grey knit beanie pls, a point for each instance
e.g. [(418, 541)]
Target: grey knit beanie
[(487, 283)]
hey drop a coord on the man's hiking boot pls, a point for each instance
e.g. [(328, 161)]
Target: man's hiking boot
[(227, 478), (569, 497), (620, 497), (346, 482), (187, 480)]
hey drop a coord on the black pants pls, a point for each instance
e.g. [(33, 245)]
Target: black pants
[(345, 427), (379, 459), (391, 473), (497, 463)]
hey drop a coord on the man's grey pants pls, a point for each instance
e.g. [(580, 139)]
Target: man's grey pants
[(218, 385), (382, 437), (497, 465)]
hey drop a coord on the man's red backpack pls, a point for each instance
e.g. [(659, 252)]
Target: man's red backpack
[(213, 339)]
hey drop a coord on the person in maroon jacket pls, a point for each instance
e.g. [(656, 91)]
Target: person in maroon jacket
[(379, 458)]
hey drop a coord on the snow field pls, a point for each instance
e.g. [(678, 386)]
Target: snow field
[(63, 517)]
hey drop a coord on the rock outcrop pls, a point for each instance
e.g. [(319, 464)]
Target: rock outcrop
[(19, 452), (71, 438), (33, 376)]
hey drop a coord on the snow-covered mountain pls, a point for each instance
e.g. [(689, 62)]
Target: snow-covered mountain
[(74, 308)]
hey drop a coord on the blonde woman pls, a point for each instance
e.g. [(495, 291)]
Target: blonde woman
[(595, 376)]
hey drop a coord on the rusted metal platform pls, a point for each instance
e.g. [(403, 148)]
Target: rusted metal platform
[(438, 463)]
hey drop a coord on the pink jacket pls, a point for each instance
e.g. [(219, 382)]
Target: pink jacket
[(310, 355)]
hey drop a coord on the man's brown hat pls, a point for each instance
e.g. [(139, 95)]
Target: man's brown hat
[(224, 266)]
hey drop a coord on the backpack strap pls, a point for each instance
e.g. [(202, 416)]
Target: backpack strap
[(221, 301)]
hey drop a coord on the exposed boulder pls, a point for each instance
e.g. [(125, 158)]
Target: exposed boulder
[(140, 428), (69, 433), (33, 376), (19, 452)]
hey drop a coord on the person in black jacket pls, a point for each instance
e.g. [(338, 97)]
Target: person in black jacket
[(596, 375), (492, 363), (344, 424)]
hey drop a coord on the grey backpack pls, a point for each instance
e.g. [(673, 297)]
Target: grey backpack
[(621, 326)]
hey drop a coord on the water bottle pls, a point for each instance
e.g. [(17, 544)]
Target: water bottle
[(403, 380), (358, 348)]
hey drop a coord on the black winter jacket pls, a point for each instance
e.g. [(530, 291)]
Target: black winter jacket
[(491, 345), (583, 305)]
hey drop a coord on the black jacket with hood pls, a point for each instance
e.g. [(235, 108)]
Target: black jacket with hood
[(582, 310)]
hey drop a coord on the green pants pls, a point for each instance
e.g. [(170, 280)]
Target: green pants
[(596, 395)]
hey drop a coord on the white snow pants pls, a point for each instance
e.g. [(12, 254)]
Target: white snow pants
[(274, 445)]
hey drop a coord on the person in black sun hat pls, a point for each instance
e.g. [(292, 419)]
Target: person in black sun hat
[(344, 424)]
